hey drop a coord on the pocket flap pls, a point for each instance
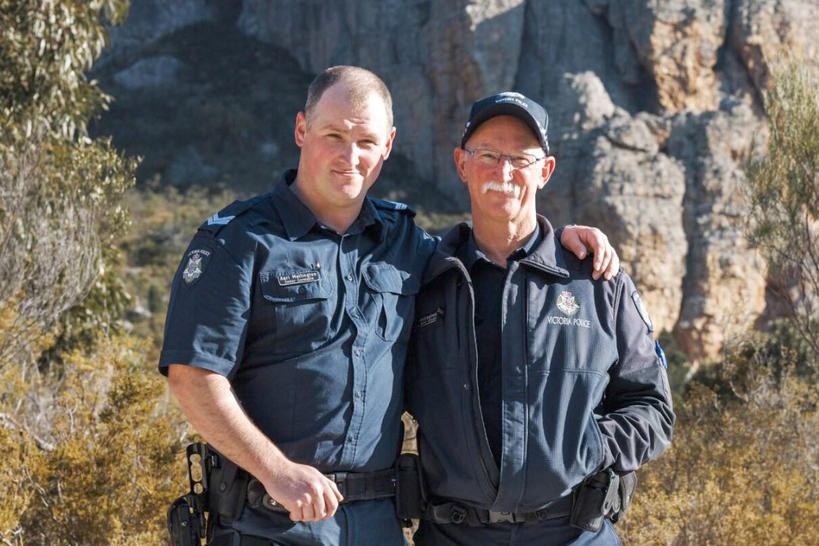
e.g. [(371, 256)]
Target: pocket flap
[(294, 285), (383, 277)]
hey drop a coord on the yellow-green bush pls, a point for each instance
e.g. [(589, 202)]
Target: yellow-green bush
[(114, 459), (742, 468)]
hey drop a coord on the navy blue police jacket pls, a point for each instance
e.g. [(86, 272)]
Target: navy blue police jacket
[(310, 327), (583, 388)]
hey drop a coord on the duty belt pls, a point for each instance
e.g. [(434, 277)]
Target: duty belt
[(353, 486), (453, 512)]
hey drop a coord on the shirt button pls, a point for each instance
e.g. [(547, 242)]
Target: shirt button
[(349, 278), (357, 352), (466, 386), (358, 394)]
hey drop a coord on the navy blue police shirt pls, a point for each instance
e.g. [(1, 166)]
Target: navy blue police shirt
[(309, 326), (489, 282)]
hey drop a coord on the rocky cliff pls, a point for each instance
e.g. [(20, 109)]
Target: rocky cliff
[(654, 105)]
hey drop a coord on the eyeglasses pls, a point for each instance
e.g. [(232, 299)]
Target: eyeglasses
[(493, 158)]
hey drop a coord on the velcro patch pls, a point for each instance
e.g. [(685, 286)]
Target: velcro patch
[(299, 277)]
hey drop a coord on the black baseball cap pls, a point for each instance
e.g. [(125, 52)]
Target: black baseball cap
[(509, 103)]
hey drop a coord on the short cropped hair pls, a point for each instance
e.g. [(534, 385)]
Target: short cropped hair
[(361, 83)]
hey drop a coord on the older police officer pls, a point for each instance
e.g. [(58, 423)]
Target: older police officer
[(288, 325), (526, 376)]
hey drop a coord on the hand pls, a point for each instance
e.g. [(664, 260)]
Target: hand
[(581, 239), (304, 491)]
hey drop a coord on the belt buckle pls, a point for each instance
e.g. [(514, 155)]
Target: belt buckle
[(457, 514), (501, 517)]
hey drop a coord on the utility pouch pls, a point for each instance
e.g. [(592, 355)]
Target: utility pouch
[(185, 525), (198, 469), (409, 498), (628, 483), (227, 487), (597, 497)]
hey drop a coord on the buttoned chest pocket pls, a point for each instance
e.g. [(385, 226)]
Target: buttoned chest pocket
[(394, 293), (300, 308)]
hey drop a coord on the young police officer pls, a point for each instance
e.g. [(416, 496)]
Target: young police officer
[(287, 332), (525, 375)]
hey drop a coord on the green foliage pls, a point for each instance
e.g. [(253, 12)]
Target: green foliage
[(45, 49), (59, 208), (783, 188), (742, 468), (89, 449)]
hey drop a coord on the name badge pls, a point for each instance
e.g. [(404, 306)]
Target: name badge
[(301, 277), (430, 319)]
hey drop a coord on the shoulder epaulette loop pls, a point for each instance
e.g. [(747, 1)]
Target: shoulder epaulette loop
[(393, 205), (222, 218)]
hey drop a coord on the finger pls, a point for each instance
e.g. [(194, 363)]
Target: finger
[(336, 492), (571, 240), (605, 258), (296, 513), (308, 514), (319, 508), (614, 266), (598, 257), (330, 502), (599, 248)]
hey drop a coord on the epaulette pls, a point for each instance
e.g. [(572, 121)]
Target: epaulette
[(227, 214), (392, 205)]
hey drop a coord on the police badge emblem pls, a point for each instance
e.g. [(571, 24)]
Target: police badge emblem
[(193, 269), (567, 303)]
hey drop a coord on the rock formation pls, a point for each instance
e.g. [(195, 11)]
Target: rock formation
[(654, 107)]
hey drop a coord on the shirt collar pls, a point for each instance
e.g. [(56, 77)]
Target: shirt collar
[(547, 254), (298, 219), (471, 253)]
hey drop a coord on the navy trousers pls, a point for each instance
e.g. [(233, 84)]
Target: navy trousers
[(357, 523), (550, 532)]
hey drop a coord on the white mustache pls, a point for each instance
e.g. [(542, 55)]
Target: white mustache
[(506, 187)]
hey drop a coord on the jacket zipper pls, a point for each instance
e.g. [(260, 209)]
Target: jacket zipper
[(479, 428)]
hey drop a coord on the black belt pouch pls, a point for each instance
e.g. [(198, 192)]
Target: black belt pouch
[(409, 497)]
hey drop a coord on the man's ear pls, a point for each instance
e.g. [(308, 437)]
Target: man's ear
[(388, 145), (459, 156), (546, 171), (301, 129)]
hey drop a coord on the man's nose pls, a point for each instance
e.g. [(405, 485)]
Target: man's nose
[(505, 167), (350, 154)]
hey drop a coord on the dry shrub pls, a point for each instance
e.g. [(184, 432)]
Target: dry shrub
[(742, 468), (109, 468)]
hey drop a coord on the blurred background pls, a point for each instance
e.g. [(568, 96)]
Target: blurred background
[(688, 131)]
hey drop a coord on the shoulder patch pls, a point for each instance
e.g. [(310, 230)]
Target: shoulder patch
[(641, 310), (222, 218), (197, 260), (660, 354), (392, 205)]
